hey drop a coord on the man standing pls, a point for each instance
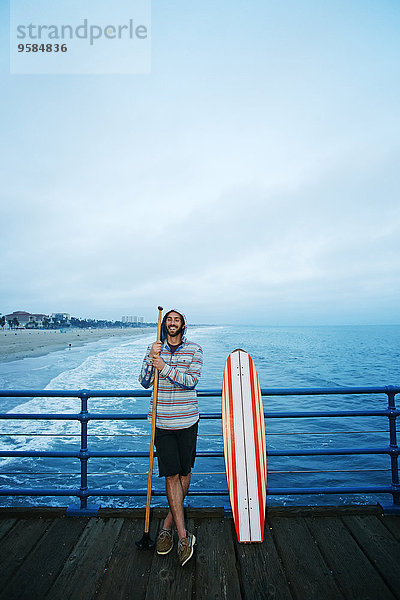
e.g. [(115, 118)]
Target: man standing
[(179, 364)]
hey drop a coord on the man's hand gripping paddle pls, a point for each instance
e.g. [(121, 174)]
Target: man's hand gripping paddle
[(146, 542)]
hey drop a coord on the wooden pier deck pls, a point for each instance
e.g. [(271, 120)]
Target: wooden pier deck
[(307, 553)]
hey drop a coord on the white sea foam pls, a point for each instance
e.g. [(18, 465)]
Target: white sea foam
[(115, 368), (285, 357)]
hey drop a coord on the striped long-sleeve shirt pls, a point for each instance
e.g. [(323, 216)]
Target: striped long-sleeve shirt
[(177, 406)]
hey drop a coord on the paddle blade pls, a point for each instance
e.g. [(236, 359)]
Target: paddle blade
[(146, 543)]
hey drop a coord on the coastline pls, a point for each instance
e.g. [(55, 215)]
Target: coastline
[(25, 343)]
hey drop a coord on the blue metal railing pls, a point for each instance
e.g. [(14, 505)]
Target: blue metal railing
[(84, 453)]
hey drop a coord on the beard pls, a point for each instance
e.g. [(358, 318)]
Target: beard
[(174, 331)]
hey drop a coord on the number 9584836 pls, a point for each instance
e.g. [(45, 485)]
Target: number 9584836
[(42, 48)]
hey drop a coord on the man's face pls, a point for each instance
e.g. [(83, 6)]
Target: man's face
[(174, 324)]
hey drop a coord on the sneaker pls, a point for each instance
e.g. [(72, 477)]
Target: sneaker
[(165, 541), (185, 548)]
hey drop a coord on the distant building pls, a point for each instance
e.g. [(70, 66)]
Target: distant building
[(128, 319), (26, 319), (61, 317), (39, 319), (132, 319)]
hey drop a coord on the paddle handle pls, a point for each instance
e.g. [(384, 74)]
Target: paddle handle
[(153, 431)]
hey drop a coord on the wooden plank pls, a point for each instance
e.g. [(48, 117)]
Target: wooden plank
[(392, 523), (129, 567), (45, 561), (377, 543), (18, 543), (167, 578), (261, 571), (159, 512), (309, 576), (353, 572), (323, 511), (216, 574), (29, 512), (85, 565), (5, 526)]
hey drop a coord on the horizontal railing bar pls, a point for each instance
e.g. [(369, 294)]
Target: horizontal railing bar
[(194, 473), (87, 493), (338, 413), (75, 393), (39, 492), (330, 490), (129, 435), (275, 472), (201, 393), (300, 471), (41, 454), (202, 453), (271, 491), (218, 416), (296, 415), (40, 416), (328, 432), (194, 492), (329, 391), (87, 454), (333, 451)]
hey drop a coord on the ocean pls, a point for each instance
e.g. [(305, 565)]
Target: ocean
[(296, 357)]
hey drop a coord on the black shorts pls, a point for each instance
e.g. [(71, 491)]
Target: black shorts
[(176, 450)]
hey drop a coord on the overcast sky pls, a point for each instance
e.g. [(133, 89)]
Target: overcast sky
[(252, 177)]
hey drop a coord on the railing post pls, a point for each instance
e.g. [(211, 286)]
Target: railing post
[(84, 449), (83, 457), (394, 457)]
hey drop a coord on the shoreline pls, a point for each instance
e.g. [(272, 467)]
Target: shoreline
[(28, 343)]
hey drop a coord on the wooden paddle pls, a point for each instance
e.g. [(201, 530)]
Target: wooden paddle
[(145, 542)]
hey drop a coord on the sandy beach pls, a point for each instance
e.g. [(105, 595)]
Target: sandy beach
[(23, 343)]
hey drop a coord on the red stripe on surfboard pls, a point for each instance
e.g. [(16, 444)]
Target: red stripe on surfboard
[(255, 416), (258, 450), (235, 507), (262, 440), (227, 432)]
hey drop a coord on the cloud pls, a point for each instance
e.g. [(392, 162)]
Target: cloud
[(255, 178), (320, 243)]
